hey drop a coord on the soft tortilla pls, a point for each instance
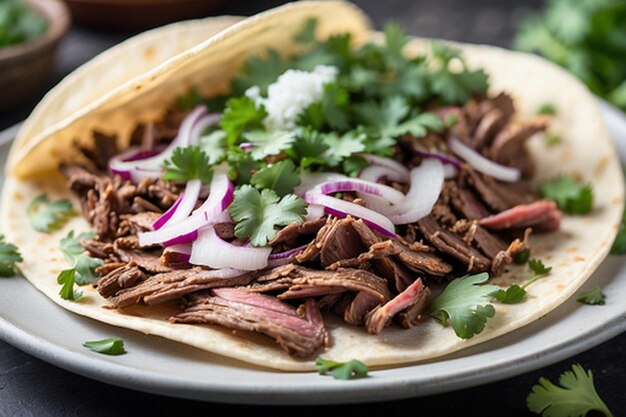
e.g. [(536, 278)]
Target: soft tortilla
[(574, 252)]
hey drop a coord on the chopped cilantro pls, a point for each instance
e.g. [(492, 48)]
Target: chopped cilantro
[(269, 143), (465, 304), (46, 216), (522, 257), (241, 166), (551, 139), (241, 113), (214, 146), (188, 101), (354, 164), (112, 346), (576, 396), (547, 109), (537, 266), (308, 149), (619, 246), (259, 213), (592, 297), (9, 256), (66, 279), (353, 369), (570, 195), (342, 147), (259, 71), (281, 177), (307, 34), (19, 23), (513, 294), (188, 163)]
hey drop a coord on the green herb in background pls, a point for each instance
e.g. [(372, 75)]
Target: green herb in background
[(576, 396), (569, 194), (18, 23), (588, 37), (46, 216), (9, 256)]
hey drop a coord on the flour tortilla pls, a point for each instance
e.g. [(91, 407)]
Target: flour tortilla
[(574, 252)]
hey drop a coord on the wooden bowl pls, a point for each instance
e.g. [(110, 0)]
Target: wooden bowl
[(25, 67), (138, 14)]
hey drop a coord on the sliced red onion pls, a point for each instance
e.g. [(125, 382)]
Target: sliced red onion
[(314, 212), (210, 250), (283, 258), (426, 184), (182, 251), (400, 169), (150, 167), (182, 207), (220, 197), (377, 173), (341, 208), (379, 190), (309, 180), (482, 164)]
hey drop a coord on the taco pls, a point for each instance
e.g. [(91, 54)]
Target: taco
[(296, 185)]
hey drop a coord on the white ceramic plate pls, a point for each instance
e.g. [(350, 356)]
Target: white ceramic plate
[(31, 322)]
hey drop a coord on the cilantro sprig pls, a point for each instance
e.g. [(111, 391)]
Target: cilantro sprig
[(592, 297), (281, 177), (515, 293), (112, 346), (259, 213), (575, 397), (353, 369), (464, 304), (45, 215), (83, 267), (569, 194), (9, 256), (188, 163)]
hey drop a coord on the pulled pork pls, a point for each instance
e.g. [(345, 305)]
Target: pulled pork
[(478, 224)]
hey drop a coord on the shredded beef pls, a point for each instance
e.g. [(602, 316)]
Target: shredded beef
[(300, 335)]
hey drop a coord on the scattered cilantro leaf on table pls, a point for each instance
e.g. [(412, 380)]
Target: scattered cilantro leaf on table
[(112, 346), (575, 397), (9, 256), (281, 177), (353, 369), (259, 213), (592, 297), (46, 216), (188, 163), (465, 305), (570, 195)]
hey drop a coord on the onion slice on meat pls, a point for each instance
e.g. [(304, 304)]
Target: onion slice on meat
[(210, 250), (186, 230), (283, 258), (426, 184), (341, 208), (482, 164), (390, 164), (377, 173), (182, 207), (366, 187)]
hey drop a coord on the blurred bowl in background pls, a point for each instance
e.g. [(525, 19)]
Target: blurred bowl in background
[(25, 67), (138, 14)]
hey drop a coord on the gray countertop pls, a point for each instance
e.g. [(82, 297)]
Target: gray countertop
[(31, 387)]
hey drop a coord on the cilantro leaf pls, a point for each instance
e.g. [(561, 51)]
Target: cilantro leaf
[(551, 139), (465, 305), (354, 164), (269, 143), (9, 256), (547, 109), (513, 294), (241, 113), (307, 34), (353, 369), (522, 257), (112, 346), (331, 110), (259, 71), (46, 216), (83, 265), (575, 397), (188, 163), (258, 214), (570, 195), (619, 246), (241, 166), (537, 266), (67, 292), (281, 177), (592, 297), (341, 147), (214, 146), (308, 149)]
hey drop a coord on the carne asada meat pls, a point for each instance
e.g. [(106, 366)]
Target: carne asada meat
[(539, 213), (301, 335)]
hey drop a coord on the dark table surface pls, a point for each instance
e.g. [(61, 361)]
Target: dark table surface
[(31, 387)]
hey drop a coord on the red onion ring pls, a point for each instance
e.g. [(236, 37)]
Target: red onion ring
[(210, 250), (482, 164)]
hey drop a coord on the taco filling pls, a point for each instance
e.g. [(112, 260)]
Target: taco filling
[(354, 181)]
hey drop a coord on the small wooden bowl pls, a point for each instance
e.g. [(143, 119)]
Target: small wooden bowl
[(138, 14), (25, 67)]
